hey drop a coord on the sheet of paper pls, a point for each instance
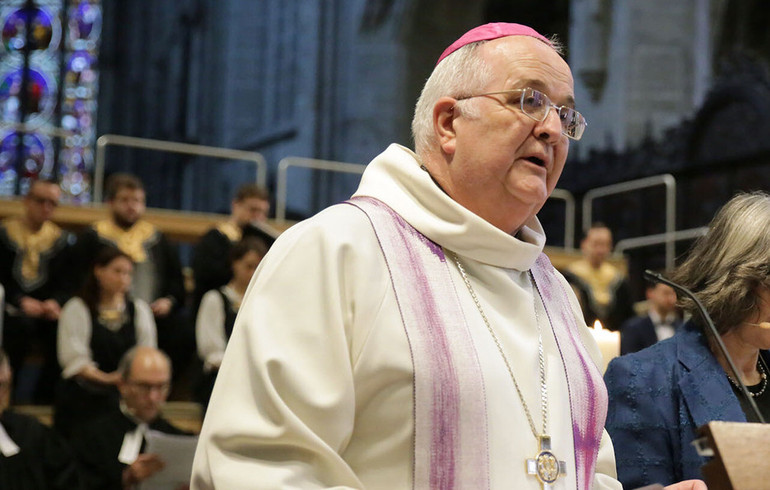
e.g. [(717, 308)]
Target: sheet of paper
[(177, 452)]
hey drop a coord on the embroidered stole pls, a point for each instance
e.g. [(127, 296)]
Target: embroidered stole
[(451, 433), (587, 392), (133, 241), (449, 452), (30, 247)]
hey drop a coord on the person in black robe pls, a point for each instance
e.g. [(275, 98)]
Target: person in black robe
[(35, 261), (248, 214), (32, 455), (111, 449)]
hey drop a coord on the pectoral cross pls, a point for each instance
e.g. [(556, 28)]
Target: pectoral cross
[(545, 467)]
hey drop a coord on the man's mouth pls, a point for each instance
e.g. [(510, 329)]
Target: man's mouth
[(537, 161)]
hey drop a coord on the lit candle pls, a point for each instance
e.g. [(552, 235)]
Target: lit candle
[(609, 343)]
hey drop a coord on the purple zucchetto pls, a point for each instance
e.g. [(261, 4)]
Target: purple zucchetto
[(491, 31)]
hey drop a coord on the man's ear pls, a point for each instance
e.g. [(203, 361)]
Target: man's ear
[(444, 113), (122, 387)]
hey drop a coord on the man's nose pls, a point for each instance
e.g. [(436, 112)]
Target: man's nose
[(549, 129)]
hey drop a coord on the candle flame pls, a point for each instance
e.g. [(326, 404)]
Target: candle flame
[(598, 325)]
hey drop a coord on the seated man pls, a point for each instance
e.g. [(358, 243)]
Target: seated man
[(660, 322), (32, 456), (35, 271), (210, 261), (111, 448), (601, 287)]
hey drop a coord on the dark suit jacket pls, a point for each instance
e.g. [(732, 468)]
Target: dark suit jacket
[(98, 444), (637, 333), (44, 462), (658, 397)]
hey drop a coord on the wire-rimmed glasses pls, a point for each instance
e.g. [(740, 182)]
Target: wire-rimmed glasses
[(537, 106)]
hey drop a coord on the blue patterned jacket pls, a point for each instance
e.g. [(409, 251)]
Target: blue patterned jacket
[(658, 397)]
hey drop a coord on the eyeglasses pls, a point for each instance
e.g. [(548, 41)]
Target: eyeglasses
[(147, 388), (537, 105)]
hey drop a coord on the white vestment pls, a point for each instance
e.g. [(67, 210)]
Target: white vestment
[(316, 386)]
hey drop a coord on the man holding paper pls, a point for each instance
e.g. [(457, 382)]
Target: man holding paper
[(111, 449)]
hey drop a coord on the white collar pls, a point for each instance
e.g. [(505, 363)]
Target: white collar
[(7, 447), (395, 178)]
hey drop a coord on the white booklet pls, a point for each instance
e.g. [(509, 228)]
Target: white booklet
[(177, 451)]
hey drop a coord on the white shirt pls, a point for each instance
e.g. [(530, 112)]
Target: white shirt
[(210, 326), (315, 389), (74, 334), (664, 327)]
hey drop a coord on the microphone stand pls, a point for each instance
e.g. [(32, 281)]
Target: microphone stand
[(655, 277)]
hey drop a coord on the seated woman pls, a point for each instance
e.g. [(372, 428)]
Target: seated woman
[(659, 396), (218, 309), (96, 327)]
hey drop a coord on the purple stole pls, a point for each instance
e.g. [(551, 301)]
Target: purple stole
[(451, 442)]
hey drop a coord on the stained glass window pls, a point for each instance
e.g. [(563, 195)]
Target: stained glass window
[(48, 93)]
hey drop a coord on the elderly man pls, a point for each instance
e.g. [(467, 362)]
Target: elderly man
[(32, 455), (416, 337), (35, 269), (111, 448)]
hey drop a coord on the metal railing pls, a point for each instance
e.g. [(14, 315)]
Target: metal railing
[(569, 216), (282, 177), (171, 147), (665, 179), (649, 240)]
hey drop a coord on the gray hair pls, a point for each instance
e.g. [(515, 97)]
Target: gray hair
[(725, 267), (124, 366), (460, 74)]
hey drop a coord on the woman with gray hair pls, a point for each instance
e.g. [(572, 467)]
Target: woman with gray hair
[(659, 396)]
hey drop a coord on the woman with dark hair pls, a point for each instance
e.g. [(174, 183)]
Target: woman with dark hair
[(659, 396), (96, 327), (216, 315)]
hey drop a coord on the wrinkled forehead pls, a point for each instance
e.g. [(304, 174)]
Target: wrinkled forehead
[(524, 61)]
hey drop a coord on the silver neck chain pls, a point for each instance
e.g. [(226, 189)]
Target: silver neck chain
[(541, 356)]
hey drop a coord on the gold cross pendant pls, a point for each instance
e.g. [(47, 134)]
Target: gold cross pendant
[(545, 467)]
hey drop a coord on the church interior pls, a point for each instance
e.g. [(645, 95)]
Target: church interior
[(198, 97)]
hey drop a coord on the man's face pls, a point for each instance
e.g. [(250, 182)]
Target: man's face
[(40, 202), (146, 389), (597, 245), (128, 206), (503, 165), (662, 298), (250, 210)]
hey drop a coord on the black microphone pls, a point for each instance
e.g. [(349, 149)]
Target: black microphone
[(655, 277)]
